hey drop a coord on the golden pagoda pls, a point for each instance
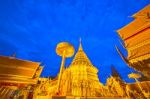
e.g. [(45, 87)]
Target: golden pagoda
[(136, 38), (80, 79)]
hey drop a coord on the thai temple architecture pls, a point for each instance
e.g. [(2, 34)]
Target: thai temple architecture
[(20, 79), (136, 37), (17, 77), (80, 79), (83, 80)]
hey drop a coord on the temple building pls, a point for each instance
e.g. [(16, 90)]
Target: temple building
[(81, 78), (20, 79), (80, 81), (136, 38), (17, 77)]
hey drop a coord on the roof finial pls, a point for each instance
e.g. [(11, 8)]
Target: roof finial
[(80, 40), (80, 46)]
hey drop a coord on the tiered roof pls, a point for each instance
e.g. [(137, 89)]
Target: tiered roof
[(82, 59), (136, 36), (13, 70)]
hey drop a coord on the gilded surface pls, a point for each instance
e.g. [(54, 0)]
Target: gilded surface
[(137, 42), (19, 79)]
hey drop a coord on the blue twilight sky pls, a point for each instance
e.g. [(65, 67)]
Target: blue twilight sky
[(33, 28)]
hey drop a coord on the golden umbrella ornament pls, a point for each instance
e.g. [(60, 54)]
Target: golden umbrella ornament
[(63, 49), (135, 76)]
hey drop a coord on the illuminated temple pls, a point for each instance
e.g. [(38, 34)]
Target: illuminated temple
[(136, 37), (17, 76), (20, 79), (80, 80)]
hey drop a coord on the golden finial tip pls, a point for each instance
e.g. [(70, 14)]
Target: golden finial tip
[(80, 40), (80, 45)]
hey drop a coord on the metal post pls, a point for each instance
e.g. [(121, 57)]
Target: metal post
[(61, 69)]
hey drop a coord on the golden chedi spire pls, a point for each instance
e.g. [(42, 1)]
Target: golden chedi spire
[(80, 46), (81, 57), (83, 75)]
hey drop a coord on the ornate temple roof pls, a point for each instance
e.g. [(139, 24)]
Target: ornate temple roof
[(144, 13), (136, 36), (13, 70), (137, 25), (81, 58)]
